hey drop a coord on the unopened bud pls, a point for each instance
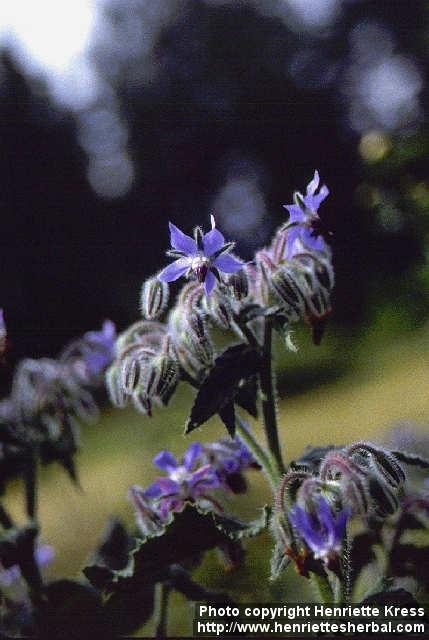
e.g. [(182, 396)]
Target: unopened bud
[(219, 309), (153, 298), (380, 460), (115, 387), (239, 284), (289, 289)]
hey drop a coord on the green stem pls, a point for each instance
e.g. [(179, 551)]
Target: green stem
[(268, 400), (161, 609), (346, 582), (322, 587), (262, 457)]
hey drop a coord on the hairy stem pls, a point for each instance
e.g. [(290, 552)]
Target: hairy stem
[(268, 400), (161, 609), (322, 587), (262, 457)]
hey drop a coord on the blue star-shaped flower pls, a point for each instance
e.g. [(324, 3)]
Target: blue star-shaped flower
[(305, 208), (202, 257)]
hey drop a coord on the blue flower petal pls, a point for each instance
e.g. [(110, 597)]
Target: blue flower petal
[(153, 491), (209, 282), (181, 241), (191, 454), (212, 242), (227, 263), (313, 184), (168, 486), (165, 461), (174, 270), (296, 214)]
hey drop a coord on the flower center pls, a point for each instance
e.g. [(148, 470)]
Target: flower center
[(200, 266), (180, 475)]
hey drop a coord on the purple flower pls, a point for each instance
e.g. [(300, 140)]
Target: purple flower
[(305, 208), (302, 239), (186, 481), (98, 348), (322, 531), (229, 458), (304, 215), (202, 257), (43, 555)]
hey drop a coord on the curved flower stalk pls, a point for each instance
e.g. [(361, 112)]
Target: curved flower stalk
[(315, 503)]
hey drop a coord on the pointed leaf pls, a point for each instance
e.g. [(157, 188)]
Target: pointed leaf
[(220, 388)]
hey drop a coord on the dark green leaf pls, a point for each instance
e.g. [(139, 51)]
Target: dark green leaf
[(236, 529), (71, 609), (227, 415), (247, 396), (220, 388), (115, 546)]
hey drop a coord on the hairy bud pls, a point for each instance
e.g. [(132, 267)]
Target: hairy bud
[(218, 308), (239, 284), (153, 298)]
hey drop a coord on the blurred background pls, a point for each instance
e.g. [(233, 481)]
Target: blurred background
[(119, 115)]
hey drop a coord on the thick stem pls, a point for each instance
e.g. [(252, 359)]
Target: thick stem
[(262, 457), (161, 609), (268, 400)]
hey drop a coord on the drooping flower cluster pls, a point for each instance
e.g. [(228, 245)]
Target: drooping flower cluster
[(202, 470), (48, 398), (315, 501), (289, 280)]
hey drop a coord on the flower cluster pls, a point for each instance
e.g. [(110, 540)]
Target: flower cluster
[(193, 479), (289, 280), (314, 503), (48, 398)]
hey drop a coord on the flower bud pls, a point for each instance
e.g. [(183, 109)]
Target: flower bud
[(239, 284), (288, 285), (148, 520), (379, 460), (115, 387), (199, 340), (219, 309), (153, 298)]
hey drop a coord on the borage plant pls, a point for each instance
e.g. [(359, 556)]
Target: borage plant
[(336, 513)]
